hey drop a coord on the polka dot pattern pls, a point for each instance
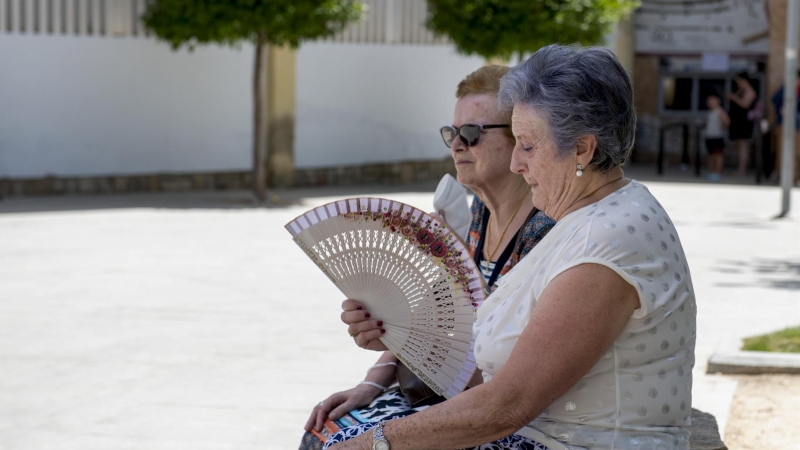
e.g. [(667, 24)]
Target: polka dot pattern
[(649, 364)]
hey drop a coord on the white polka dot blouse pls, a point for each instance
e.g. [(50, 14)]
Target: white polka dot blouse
[(638, 396)]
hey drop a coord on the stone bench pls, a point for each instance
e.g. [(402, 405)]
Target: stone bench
[(705, 432), (704, 429)]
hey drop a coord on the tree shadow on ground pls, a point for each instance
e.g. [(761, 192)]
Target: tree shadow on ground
[(770, 272), (748, 224), (648, 173), (284, 198)]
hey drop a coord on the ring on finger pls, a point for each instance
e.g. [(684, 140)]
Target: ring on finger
[(322, 403), (350, 333)]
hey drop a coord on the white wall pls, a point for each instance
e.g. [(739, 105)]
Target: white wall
[(72, 106), (91, 106), (365, 103)]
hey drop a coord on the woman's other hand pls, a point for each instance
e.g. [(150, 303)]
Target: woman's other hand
[(340, 404), (365, 330)]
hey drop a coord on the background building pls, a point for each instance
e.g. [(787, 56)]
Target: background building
[(686, 50), (88, 102)]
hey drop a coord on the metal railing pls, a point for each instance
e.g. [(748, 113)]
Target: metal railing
[(385, 21)]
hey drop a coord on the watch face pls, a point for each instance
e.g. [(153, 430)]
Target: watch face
[(381, 445)]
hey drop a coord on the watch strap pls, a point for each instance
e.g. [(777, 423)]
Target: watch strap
[(378, 439)]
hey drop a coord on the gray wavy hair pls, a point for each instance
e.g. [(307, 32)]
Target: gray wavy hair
[(580, 91)]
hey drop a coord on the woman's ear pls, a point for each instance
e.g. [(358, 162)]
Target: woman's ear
[(585, 150)]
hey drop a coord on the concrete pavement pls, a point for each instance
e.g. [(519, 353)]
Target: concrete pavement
[(192, 321)]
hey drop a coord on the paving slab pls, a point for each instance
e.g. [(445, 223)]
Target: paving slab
[(192, 321)]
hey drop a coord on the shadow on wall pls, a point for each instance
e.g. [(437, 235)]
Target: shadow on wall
[(771, 273), (222, 200)]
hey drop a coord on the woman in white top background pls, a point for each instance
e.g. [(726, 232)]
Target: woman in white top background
[(588, 342), (717, 121)]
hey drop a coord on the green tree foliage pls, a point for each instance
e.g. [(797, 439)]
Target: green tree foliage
[(277, 22), (501, 28)]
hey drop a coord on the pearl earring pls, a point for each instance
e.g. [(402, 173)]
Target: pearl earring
[(579, 172)]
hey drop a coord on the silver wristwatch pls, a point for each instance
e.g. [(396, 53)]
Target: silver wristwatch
[(378, 441)]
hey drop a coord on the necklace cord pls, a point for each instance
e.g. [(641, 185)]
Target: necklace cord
[(503, 234)]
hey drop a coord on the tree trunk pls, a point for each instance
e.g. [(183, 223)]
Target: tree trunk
[(260, 120), (281, 108)]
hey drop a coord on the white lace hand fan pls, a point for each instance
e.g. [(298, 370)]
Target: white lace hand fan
[(407, 269)]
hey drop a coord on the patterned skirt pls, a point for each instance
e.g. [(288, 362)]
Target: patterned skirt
[(392, 405)]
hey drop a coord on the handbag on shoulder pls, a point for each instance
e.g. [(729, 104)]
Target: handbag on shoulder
[(414, 390)]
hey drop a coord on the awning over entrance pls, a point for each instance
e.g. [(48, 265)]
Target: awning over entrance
[(673, 27)]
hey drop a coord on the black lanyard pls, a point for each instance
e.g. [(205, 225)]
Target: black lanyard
[(503, 259)]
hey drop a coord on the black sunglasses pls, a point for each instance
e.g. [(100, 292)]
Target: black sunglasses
[(469, 133)]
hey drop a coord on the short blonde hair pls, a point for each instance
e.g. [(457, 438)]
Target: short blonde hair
[(486, 80)]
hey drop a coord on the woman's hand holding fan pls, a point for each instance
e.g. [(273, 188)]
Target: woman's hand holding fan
[(365, 332), (410, 272)]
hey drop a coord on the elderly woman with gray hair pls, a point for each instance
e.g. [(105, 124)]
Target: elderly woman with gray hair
[(588, 343)]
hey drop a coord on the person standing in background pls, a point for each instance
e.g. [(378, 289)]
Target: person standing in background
[(741, 127), (716, 123)]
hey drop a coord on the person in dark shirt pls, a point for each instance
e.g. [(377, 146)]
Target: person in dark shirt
[(741, 127)]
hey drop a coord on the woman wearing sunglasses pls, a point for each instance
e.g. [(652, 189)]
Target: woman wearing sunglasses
[(588, 343), (505, 224), (505, 227)]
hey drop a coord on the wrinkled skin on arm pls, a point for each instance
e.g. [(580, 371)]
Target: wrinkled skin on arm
[(576, 319)]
